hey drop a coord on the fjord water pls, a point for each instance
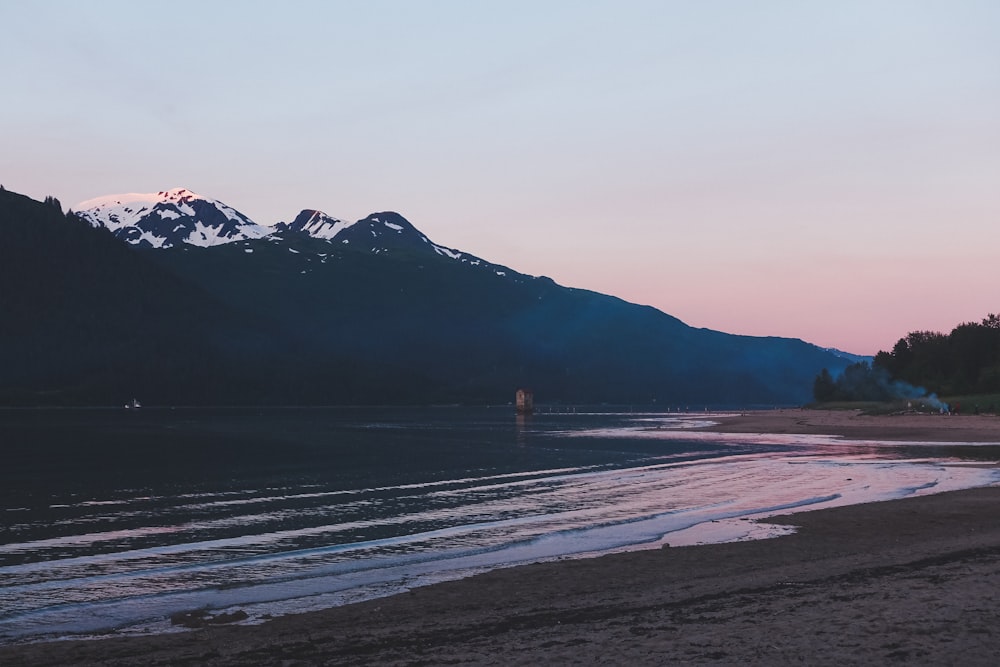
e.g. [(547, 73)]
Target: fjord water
[(114, 520)]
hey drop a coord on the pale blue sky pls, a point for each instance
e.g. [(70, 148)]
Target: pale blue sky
[(823, 170)]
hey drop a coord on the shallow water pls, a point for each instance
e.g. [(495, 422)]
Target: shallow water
[(112, 521)]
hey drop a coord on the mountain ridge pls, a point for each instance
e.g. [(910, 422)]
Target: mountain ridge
[(315, 223), (169, 217), (175, 217), (388, 317)]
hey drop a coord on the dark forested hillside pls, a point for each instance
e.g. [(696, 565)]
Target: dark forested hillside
[(85, 319), (421, 326), (299, 320)]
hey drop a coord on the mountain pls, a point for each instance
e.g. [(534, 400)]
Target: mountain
[(379, 233), (169, 218), (316, 224), (388, 232), (87, 320), (175, 217), (318, 311)]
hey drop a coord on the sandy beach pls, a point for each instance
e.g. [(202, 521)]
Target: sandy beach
[(854, 425), (910, 581)]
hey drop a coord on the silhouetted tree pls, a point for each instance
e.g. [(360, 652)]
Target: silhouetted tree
[(965, 361), (824, 388)]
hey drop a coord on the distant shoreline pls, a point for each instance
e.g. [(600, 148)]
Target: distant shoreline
[(853, 425)]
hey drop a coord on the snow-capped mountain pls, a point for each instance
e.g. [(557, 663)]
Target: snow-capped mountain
[(169, 218), (174, 217), (316, 224), (177, 217), (378, 233)]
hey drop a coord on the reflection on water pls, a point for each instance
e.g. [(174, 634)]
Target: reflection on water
[(113, 521)]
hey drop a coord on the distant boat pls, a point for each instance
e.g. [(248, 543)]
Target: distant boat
[(133, 404)]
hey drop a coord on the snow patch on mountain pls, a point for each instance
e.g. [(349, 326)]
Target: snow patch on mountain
[(447, 252), (316, 224), (168, 218), (180, 217), (386, 233)]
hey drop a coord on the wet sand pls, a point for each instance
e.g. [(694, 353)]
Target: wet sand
[(912, 581)]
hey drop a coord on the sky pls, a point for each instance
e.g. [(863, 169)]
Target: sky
[(820, 170)]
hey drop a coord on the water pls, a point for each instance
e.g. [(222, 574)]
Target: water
[(111, 521)]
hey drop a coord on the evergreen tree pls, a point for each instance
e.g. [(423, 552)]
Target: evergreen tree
[(965, 361), (53, 202), (824, 388)]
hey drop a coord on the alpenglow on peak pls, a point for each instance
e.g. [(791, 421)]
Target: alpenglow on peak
[(168, 218), (176, 217)]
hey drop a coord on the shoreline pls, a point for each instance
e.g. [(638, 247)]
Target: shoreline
[(906, 579), (852, 425), (909, 579)]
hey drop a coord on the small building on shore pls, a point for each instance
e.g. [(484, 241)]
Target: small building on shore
[(524, 400)]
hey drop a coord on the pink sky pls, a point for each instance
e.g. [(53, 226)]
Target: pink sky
[(826, 171)]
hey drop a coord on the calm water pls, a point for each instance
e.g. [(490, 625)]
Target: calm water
[(113, 520)]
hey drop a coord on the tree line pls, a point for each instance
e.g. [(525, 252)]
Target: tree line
[(965, 361)]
